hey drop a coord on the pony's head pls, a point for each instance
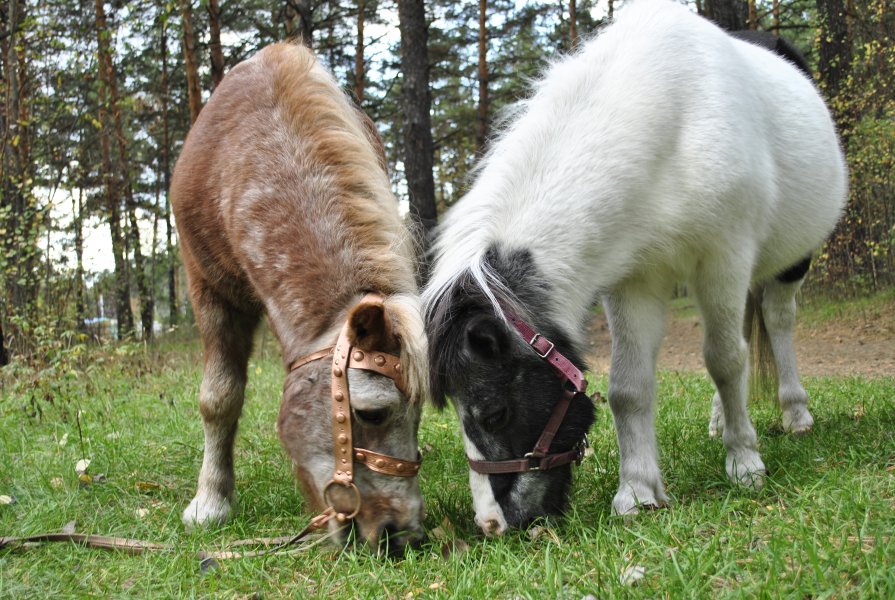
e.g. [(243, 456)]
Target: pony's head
[(502, 389), (373, 383)]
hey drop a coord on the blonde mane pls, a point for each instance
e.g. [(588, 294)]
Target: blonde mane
[(342, 138)]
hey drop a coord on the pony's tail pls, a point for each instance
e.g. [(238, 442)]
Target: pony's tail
[(763, 379)]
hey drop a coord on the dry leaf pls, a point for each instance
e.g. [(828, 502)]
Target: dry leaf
[(101, 478), (148, 486), (56, 482), (64, 439), (448, 526), (141, 512), (632, 575), (69, 528), (539, 530), (452, 547), (4, 499), (82, 466), (437, 585)]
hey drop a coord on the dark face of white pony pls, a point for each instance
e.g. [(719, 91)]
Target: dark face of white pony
[(504, 395)]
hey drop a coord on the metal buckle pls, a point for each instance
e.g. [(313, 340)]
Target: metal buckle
[(534, 462), (534, 339)]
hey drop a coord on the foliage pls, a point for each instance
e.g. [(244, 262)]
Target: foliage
[(861, 254), (53, 203)]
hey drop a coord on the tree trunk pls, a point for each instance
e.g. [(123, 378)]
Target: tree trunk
[(481, 137), (165, 160), (18, 207), (753, 15), (305, 13), (776, 12), (4, 357), (147, 308), (359, 71), (190, 60), (113, 202), (731, 15), (834, 52), (214, 45), (77, 207), (417, 101), (611, 10), (573, 25)]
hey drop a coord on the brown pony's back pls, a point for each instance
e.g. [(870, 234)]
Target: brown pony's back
[(324, 214)]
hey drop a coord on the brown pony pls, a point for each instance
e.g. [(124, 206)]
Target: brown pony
[(283, 207)]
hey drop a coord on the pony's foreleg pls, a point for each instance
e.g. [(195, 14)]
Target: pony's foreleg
[(779, 307), (721, 294), (227, 341), (636, 321)]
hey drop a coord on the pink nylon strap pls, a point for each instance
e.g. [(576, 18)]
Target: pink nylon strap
[(546, 350)]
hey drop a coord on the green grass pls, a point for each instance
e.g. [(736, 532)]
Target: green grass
[(822, 526)]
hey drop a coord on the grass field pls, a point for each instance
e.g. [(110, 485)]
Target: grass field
[(822, 527)]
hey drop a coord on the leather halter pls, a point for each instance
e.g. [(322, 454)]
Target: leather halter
[(343, 358), (573, 382)]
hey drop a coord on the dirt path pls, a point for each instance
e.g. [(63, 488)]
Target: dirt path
[(848, 346)]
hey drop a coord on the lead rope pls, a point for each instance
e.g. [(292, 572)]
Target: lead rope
[(207, 559)]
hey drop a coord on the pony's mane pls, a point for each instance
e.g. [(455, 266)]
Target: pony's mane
[(319, 112), (459, 253)]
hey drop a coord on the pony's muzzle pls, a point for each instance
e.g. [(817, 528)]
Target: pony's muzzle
[(395, 541)]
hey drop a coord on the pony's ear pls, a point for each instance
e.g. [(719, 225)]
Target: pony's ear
[(370, 328), (485, 338)]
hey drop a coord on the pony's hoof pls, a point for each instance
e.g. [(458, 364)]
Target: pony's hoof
[(798, 422), (206, 510), (628, 503), (746, 469)]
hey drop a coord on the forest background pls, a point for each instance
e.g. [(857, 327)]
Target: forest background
[(99, 96)]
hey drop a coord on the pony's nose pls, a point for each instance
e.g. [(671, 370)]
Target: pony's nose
[(394, 541)]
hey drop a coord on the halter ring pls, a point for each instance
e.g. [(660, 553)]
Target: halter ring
[(341, 516)]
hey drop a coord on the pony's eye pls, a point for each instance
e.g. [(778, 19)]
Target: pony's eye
[(495, 419), (372, 417)]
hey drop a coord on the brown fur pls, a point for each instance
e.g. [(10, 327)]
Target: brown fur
[(283, 206)]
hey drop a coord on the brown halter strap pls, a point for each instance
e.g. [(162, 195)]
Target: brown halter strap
[(343, 358)]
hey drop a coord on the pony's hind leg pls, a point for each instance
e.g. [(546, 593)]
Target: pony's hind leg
[(721, 293), (636, 321), (227, 342), (778, 305)]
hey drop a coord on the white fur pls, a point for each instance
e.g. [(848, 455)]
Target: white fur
[(488, 514), (662, 151)]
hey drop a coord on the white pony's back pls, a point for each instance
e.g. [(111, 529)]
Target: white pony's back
[(660, 140)]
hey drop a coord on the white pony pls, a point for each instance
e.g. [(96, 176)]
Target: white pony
[(664, 151)]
